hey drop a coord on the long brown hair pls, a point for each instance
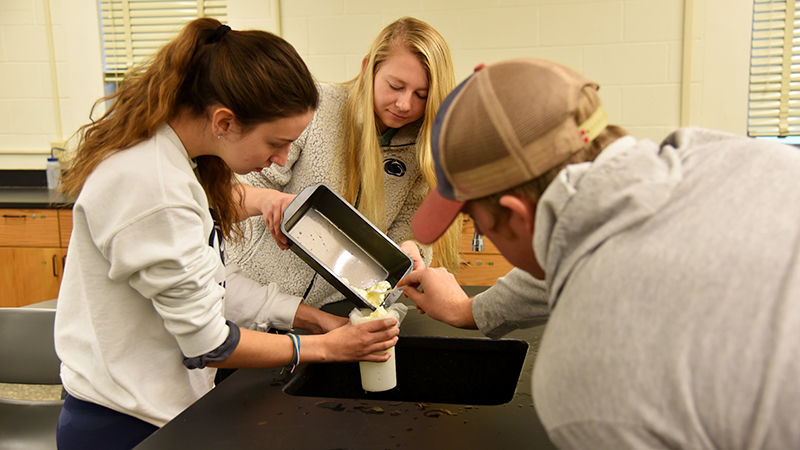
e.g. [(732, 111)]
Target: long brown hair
[(364, 165), (257, 75)]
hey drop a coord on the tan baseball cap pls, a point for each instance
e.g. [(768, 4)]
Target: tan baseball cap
[(506, 124)]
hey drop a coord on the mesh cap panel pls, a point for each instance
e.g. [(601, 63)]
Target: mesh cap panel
[(471, 138), (504, 125), (510, 123)]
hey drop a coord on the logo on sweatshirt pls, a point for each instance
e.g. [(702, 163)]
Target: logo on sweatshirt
[(394, 167)]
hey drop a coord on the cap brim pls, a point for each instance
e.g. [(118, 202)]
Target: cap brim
[(434, 216)]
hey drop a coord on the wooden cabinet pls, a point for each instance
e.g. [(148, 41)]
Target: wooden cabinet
[(32, 254), (33, 249), (479, 267), (64, 226)]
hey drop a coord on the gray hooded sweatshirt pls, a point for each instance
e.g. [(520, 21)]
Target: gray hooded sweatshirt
[(673, 285)]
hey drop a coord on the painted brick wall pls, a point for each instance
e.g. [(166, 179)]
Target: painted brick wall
[(27, 117), (633, 48)]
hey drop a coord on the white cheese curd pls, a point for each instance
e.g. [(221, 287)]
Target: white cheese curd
[(374, 295), (379, 312)]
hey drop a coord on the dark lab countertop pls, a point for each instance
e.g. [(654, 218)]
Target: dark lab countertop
[(32, 197), (250, 410), (23, 189)]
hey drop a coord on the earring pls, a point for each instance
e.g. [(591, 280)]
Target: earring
[(219, 136)]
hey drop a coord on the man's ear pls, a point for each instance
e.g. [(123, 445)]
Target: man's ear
[(222, 120), (522, 213)]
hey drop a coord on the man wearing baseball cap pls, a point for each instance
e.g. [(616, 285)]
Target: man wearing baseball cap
[(669, 272)]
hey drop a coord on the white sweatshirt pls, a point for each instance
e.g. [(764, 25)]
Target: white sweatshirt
[(142, 287)]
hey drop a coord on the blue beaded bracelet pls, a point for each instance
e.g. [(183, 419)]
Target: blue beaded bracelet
[(296, 358)]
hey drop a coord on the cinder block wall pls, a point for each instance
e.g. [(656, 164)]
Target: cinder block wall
[(633, 48), (32, 116), (27, 120)]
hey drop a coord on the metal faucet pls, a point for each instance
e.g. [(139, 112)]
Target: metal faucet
[(477, 242)]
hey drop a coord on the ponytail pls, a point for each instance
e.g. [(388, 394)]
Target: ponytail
[(257, 75)]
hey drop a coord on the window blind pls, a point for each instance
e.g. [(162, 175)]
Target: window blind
[(133, 30), (774, 96)]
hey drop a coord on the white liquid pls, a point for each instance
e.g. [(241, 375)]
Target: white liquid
[(378, 376)]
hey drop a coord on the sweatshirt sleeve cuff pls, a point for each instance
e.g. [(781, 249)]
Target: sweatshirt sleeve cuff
[(516, 300), (220, 353), (256, 306), (279, 312)]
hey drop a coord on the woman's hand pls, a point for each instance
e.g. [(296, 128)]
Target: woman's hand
[(329, 322), (365, 342), (436, 292), (272, 204), (269, 203), (411, 248), (315, 320)]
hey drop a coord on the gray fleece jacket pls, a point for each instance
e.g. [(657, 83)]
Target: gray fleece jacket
[(317, 156), (674, 284)]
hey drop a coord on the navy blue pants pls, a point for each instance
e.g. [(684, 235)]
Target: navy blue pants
[(83, 425)]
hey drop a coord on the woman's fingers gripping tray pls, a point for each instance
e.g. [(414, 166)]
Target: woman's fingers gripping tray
[(272, 206)]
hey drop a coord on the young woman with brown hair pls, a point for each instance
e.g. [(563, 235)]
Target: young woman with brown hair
[(370, 141), (141, 319)]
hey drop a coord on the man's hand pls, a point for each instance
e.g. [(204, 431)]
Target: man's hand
[(436, 292)]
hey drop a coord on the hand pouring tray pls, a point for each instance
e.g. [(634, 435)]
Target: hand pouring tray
[(341, 244)]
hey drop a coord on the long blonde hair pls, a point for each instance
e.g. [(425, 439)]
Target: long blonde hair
[(257, 75), (364, 165)]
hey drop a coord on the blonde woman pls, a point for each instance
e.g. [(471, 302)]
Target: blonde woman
[(370, 141)]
